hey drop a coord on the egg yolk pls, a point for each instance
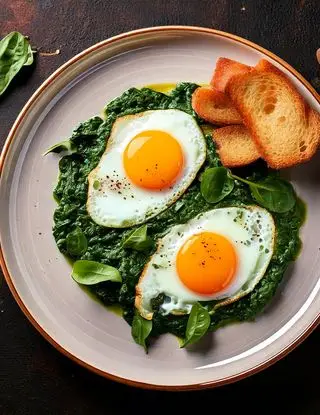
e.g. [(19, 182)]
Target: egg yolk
[(153, 160), (206, 263)]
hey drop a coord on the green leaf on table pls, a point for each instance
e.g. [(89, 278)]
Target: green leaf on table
[(66, 145), (197, 326), (76, 241), (140, 330), (138, 239), (91, 272), (30, 59), (15, 52), (216, 184)]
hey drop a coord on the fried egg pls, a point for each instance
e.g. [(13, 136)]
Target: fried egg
[(219, 255), (150, 160)]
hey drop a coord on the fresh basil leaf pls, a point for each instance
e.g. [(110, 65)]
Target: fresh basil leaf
[(77, 243), (30, 59), (198, 324), (66, 145), (91, 272), (216, 184), (14, 54), (138, 239), (140, 330), (274, 194)]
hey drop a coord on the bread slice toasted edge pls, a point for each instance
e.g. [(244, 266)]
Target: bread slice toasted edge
[(235, 146), (304, 146), (225, 69), (214, 107), (312, 141)]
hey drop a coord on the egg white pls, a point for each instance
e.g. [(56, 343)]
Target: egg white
[(251, 230), (113, 200)]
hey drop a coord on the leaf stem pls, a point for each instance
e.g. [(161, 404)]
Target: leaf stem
[(241, 179), (259, 186), (56, 52)]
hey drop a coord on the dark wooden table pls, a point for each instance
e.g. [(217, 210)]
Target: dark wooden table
[(34, 377)]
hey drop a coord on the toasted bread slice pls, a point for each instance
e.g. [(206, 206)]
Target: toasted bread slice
[(235, 146), (225, 70), (214, 106), (286, 131)]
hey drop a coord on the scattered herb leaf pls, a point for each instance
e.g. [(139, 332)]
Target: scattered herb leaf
[(91, 272), (15, 52), (141, 328), (198, 324), (272, 193), (138, 239), (216, 184)]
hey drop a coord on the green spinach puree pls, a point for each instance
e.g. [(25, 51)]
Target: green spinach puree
[(105, 244)]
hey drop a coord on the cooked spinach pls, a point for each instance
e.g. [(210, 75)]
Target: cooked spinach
[(15, 52), (198, 324), (216, 184), (140, 330), (105, 245), (138, 239), (91, 272)]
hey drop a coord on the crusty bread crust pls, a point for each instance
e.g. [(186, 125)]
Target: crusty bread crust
[(225, 70), (214, 107), (235, 146), (284, 128)]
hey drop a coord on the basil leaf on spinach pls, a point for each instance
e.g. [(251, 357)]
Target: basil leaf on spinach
[(216, 184), (66, 145), (275, 194), (138, 239), (91, 272), (140, 330), (198, 324), (76, 241), (15, 52)]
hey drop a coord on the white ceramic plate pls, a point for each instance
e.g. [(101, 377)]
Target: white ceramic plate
[(38, 274)]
